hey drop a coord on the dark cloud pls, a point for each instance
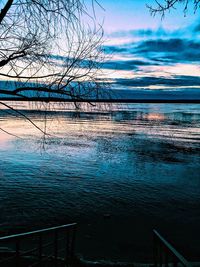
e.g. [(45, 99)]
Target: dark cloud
[(149, 53), (170, 45), (118, 49), (196, 28), (111, 64), (125, 64), (109, 49), (165, 51), (180, 80), (170, 51), (140, 33)]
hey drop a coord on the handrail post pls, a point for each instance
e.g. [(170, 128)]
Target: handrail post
[(56, 248), (40, 249), (67, 257), (175, 262), (73, 244), (166, 258), (160, 254), (155, 250), (166, 250), (17, 252), (40, 256)]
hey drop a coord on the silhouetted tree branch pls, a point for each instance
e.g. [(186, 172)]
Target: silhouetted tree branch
[(48, 47), (48, 42), (163, 6), (5, 9)]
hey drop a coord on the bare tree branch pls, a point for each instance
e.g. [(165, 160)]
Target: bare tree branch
[(23, 115), (49, 48), (4, 10), (33, 30), (161, 7)]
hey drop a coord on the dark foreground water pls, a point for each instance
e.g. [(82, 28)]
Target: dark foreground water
[(118, 172)]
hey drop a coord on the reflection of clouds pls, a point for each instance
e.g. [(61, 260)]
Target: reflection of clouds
[(4, 139), (80, 132)]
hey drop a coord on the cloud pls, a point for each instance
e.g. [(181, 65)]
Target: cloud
[(177, 81), (109, 49), (196, 27), (125, 64), (149, 51), (159, 46), (170, 51), (190, 31), (170, 45), (164, 51), (139, 33)]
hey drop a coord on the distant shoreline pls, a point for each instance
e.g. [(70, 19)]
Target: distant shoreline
[(125, 100)]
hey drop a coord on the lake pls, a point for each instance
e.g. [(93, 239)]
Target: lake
[(119, 171)]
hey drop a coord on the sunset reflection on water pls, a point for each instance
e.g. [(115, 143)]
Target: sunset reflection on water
[(151, 120)]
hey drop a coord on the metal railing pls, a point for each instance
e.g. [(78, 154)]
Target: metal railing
[(47, 247), (165, 254)]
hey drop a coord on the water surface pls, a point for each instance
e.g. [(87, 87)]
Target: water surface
[(139, 164)]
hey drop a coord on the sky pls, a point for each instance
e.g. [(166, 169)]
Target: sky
[(146, 52), (150, 52)]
